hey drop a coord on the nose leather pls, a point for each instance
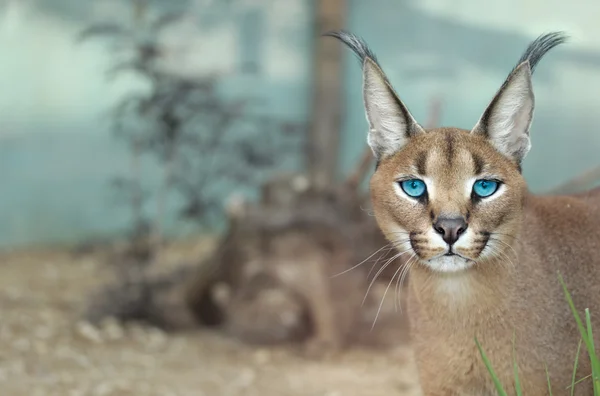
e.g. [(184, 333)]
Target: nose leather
[(450, 228)]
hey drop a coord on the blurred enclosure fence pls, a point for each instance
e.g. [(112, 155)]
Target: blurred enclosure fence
[(123, 118)]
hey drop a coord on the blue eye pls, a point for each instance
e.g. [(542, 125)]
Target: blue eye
[(414, 187), (484, 188)]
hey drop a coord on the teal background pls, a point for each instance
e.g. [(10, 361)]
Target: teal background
[(58, 155)]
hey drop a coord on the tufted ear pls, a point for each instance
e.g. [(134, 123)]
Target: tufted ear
[(507, 119), (390, 122)]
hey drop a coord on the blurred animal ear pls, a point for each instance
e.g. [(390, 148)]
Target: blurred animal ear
[(390, 122), (507, 119)]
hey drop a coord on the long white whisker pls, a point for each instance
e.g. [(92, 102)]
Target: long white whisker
[(409, 263), (392, 245), (383, 267), (507, 245), (500, 253), (401, 279), (379, 273), (383, 298), (389, 249), (361, 263)]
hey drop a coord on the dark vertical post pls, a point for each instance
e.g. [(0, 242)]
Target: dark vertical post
[(324, 134)]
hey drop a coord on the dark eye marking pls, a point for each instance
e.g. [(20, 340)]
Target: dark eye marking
[(478, 164), (421, 163)]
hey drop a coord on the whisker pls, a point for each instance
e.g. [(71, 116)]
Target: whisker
[(401, 280), (361, 263), (393, 243), (500, 233), (507, 245), (399, 233), (383, 256), (383, 267), (409, 263), (499, 252), (383, 298)]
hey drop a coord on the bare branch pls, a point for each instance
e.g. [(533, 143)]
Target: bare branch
[(108, 29)]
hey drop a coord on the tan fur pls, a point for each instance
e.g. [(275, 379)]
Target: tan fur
[(512, 286)]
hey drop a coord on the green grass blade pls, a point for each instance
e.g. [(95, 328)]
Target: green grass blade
[(593, 356), (575, 367), (588, 322), (488, 365), (548, 379), (582, 329), (517, 381), (584, 334)]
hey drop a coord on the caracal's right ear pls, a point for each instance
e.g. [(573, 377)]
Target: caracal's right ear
[(390, 122), (507, 119)]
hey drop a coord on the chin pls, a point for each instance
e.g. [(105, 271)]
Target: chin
[(448, 264)]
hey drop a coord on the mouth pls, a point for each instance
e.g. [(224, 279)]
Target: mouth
[(450, 253), (450, 262)]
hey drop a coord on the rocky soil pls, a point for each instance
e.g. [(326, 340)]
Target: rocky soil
[(45, 348)]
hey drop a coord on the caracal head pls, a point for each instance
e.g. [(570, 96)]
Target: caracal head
[(448, 198)]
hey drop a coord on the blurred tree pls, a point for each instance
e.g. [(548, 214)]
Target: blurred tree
[(184, 123), (324, 133)]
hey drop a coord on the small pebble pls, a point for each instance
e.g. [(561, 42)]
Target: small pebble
[(112, 329), (89, 332)]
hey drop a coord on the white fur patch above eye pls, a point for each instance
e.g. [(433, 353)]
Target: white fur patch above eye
[(430, 188), (469, 187)]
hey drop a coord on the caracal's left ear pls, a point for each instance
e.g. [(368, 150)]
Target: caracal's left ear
[(507, 119)]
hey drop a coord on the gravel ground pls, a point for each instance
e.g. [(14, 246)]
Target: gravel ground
[(46, 350)]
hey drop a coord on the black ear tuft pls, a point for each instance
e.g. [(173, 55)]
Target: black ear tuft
[(540, 46), (355, 43), (390, 123)]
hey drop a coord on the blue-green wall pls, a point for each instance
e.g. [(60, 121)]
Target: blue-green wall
[(57, 154)]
